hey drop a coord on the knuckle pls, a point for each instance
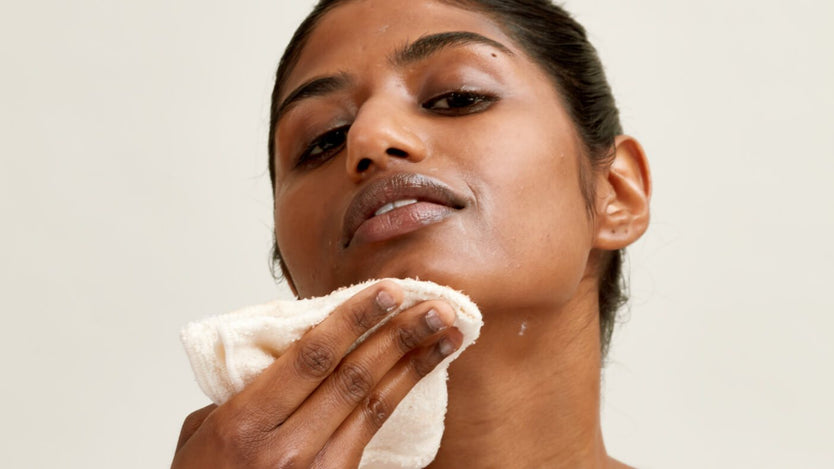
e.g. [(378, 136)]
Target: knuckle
[(421, 366), (376, 410), (406, 338), (354, 382), (359, 318), (315, 359), (235, 439)]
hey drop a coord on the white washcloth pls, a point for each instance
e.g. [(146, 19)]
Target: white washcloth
[(228, 351)]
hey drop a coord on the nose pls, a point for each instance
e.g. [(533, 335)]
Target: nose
[(382, 131)]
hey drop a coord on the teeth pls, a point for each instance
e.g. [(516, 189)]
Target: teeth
[(392, 205), (404, 202), (384, 209)]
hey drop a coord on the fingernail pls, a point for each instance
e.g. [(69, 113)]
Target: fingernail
[(445, 347), (434, 321), (385, 301)]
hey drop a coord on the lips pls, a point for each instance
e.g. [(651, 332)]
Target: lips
[(396, 205)]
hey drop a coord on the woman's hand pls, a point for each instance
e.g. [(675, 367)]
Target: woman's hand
[(317, 405)]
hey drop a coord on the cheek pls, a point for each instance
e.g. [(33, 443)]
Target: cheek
[(301, 221), (527, 171), (540, 209), (526, 181)]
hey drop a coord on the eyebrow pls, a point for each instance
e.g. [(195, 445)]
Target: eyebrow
[(315, 87), (430, 44), (413, 52)]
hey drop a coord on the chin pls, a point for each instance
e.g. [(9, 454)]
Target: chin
[(424, 259)]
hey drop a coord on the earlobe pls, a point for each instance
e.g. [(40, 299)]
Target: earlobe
[(622, 197)]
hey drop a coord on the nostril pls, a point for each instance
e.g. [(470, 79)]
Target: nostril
[(396, 152), (363, 165)]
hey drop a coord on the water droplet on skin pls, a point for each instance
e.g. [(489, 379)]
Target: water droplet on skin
[(523, 328)]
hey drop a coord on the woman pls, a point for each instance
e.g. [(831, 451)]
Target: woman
[(472, 143)]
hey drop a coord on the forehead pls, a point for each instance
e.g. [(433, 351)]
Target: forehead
[(359, 34)]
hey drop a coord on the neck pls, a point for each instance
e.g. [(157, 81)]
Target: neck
[(527, 393)]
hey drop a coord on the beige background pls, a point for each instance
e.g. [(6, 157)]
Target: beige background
[(134, 198)]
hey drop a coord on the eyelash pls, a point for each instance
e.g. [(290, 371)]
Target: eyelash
[(476, 102), (309, 159), (316, 154)]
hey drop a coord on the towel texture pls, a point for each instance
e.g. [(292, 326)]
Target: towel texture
[(228, 351)]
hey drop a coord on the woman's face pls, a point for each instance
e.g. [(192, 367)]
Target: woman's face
[(418, 140)]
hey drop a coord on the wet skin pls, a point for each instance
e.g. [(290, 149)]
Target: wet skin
[(417, 140), (474, 114)]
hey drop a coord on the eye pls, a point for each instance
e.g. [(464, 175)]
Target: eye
[(459, 103), (323, 148)]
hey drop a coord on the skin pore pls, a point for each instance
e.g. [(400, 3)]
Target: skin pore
[(403, 88)]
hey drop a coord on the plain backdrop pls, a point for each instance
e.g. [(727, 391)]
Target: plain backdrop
[(134, 197)]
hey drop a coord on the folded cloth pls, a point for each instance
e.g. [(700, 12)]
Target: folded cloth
[(229, 351)]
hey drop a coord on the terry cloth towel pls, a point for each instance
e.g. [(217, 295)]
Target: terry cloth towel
[(228, 351)]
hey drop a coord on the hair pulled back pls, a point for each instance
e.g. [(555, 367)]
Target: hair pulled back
[(559, 44)]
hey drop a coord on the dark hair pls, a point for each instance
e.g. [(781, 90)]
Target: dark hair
[(552, 38)]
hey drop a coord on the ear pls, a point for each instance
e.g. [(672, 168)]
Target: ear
[(622, 197)]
